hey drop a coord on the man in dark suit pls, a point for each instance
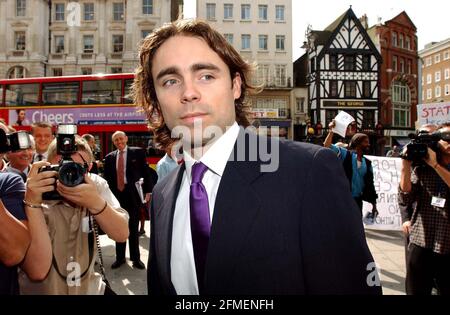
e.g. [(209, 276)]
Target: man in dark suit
[(123, 168), (236, 218)]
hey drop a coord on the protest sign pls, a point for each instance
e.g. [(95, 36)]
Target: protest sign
[(342, 120), (434, 113)]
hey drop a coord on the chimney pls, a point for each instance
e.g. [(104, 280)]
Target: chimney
[(364, 21)]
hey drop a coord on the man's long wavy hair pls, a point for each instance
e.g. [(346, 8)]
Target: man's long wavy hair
[(143, 90)]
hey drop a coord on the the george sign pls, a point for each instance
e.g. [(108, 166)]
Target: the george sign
[(264, 113), (386, 173), (110, 115), (434, 113), (353, 103)]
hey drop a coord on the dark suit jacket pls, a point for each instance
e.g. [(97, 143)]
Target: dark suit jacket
[(293, 231), (136, 168)]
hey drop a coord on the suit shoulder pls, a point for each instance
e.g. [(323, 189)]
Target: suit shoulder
[(301, 149)]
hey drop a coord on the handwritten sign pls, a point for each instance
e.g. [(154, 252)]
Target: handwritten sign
[(386, 173), (435, 113), (342, 120)]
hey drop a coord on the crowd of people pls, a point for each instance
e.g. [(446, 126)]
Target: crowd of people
[(220, 222)]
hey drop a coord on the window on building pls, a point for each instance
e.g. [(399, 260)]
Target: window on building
[(263, 74), (88, 11), (147, 6), (20, 40), (437, 76), (262, 39), (117, 43), (368, 119), (210, 11), (367, 89), (245, 11), (447, 74), (86, 71), (401, 104), (229, 38), (394, 39), (16, 72), (279, 13), (228, 11), (330, 114), (437, 91), (334, 88), (428, 61), (349, 62), (394, 63), (245, 42), (262, 9), (118, 11), (429, 95), (429, 79), (366, 63), (409, 67), (446, 55), (447, 89), (280, 75), (300, 105), (59, 11), (333, 62), (144, 33), (116, 69), (280, 39), (57, 72), (21, 7), (59, 44), (408, 42), (88, 44), (402, 65), (401, 42), (350, 88), (437, 58)]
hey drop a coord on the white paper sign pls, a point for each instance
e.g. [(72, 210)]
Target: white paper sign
[(386, 177), (435, 113), (342, 120)]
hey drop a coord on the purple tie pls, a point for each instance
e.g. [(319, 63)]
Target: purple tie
[(200, 222)]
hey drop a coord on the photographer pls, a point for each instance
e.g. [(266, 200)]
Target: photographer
[(62, 252), (14, 235), (427, 184)]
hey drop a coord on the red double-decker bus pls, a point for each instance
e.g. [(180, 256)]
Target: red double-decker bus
[(98, 104)]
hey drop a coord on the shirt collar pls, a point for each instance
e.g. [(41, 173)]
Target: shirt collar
[(217, 156)]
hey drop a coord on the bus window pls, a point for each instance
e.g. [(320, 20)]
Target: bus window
[(61, 93), (22, 94), (127, 97), (101, 92), (1, 95)]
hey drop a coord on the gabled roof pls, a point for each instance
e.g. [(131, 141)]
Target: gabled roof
[(336, 22), (300, 71), (398, 17)]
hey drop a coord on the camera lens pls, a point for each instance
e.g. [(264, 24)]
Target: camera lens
[(71, 174)]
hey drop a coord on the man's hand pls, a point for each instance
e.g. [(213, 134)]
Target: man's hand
[(84, 195), (147, 197), (331, 125), (38, 183), (406, 227), (431, 158)]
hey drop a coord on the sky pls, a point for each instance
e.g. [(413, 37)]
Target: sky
[(429, 16)]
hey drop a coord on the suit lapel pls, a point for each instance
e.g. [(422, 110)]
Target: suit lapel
[(235, 208), (164, 224)]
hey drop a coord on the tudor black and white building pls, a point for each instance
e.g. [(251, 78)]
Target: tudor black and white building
[(344, 72)]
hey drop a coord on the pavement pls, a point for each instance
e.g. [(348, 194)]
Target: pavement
[(387, 248)]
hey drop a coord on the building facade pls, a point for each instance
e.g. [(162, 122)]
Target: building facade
[(397, 42), (64, 37), (343, 74), (261, 31), (435, 78)]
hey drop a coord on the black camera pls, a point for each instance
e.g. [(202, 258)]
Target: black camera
[(417, 148), (15, 141), (69, 172)]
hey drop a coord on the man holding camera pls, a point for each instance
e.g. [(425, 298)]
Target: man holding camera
[(63, 248), (427, 184)]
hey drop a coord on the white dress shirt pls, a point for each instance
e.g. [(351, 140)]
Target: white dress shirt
[(125, 151), (44, 156), (184, 277)]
